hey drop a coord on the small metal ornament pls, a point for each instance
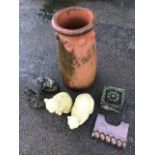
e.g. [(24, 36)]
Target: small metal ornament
[(46, 87), (113, 99)]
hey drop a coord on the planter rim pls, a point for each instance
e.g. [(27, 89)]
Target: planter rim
[(72, 32)]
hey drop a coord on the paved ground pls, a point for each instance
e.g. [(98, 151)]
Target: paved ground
[(44, 134)]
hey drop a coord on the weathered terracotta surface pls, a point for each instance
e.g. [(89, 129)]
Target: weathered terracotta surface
[(76, 46)]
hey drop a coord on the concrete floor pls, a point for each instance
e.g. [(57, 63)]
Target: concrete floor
[(42, 133)]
